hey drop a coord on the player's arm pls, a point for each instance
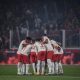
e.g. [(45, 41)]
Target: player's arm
[(54, 44), (36, 49), (62, 51), (20, 47)]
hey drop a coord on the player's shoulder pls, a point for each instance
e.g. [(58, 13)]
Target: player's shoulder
[(53, 41), (29, 45), (23, 41), (36, 43)]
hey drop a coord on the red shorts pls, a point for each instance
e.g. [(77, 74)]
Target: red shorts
[(19, 57), (41, 56), (49, 54), (33, 57), (23, 58), (26, 59), (56, 57)]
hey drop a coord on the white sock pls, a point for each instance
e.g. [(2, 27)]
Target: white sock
[(56, 67), (27, 68), (34, 67), (49, 63), (23, 68), (60, 67), (19, 67), (52, 67), (38, 66), (43, 67)]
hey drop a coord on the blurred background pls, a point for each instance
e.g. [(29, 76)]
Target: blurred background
[(59, 19)]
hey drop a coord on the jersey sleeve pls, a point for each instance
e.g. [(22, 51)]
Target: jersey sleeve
[(54, 43), (20, 47), (27, 50)]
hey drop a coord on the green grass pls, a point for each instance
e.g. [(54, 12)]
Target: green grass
[(8, 72)]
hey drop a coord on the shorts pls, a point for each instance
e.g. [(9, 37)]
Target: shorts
[(23, 58), (56, 57), (49, 54), (19, 57), (33, 57), (41, 55)]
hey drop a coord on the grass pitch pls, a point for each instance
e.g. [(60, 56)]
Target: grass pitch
[(9, 72)]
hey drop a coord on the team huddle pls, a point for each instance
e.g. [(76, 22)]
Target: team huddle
[(40, 53)]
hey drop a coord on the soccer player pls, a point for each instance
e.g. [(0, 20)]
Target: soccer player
[(41, 57), (60, 54), (47, 42), (56, 59), (33, 56), (19, 56), (25, 56), (54, 45)]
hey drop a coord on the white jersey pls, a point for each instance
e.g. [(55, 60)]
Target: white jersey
[(40, 47), (26, 50), (54, 43), (49, 47), (34, 48), (45, 37), (21, 46), (56, 51)]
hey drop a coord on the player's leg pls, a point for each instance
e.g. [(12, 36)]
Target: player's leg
[(23, 69), (38, 63), (43, 67), (56, 63), (53, 64), (60, 67), (23, 65), (38, 67), (43, 58), (19, 65), (49, 63), (19, 68), (33, 61), (27, 68), (56, 67), (34, 67), (26, 62), (53, 68), (60, 64)]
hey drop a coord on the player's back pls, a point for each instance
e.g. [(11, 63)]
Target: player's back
[(21, 46), (40, 46), (58, 51), (27, 49), (34, 48)]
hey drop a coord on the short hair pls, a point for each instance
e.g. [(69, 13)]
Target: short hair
[(45, 35), (28, 38), (33, 40)]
